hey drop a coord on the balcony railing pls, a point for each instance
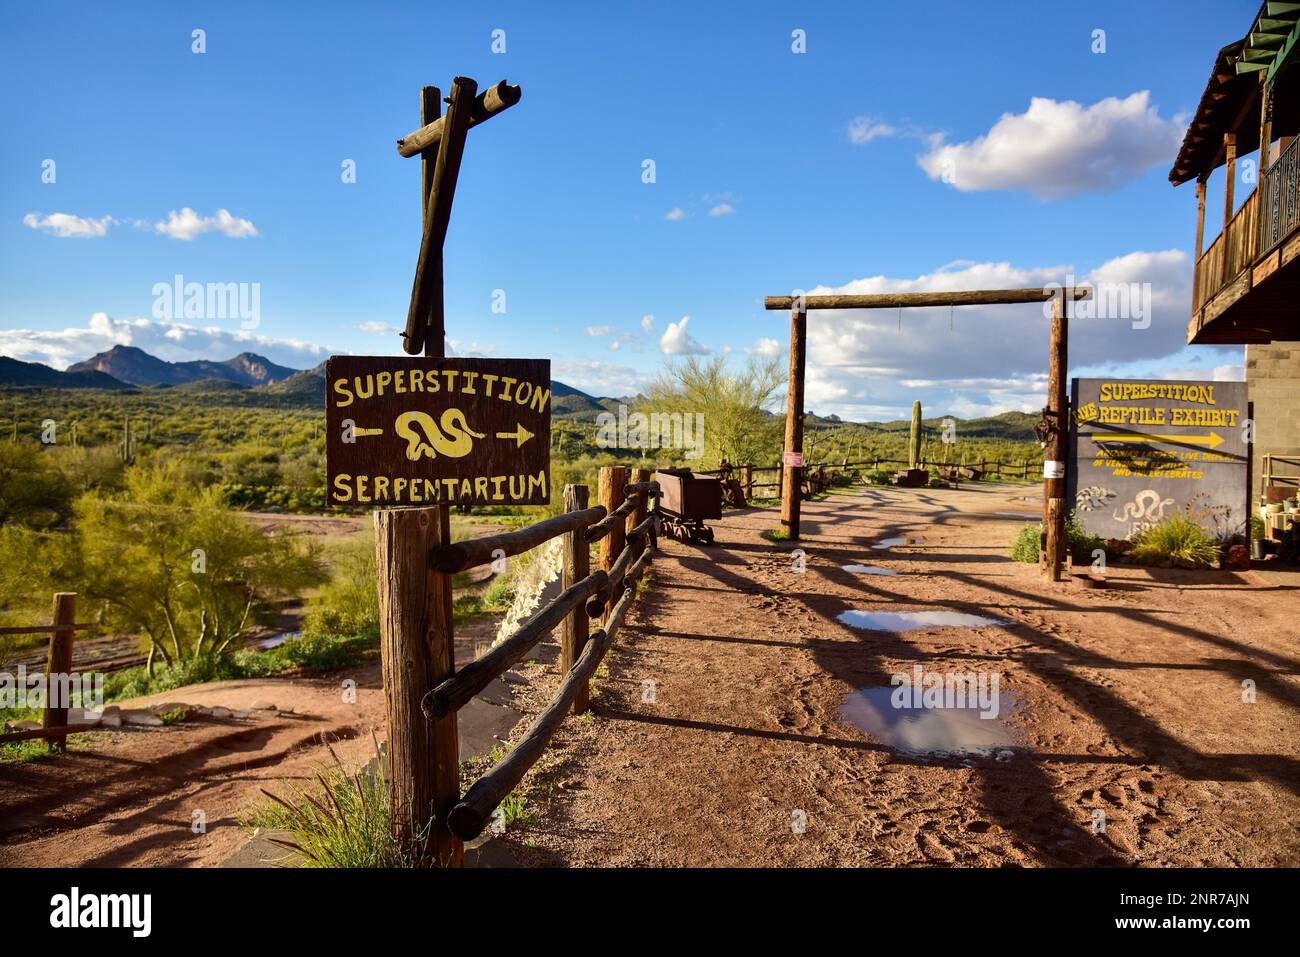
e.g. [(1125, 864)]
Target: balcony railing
[(1265, 220), (1280, 212), (1232, 251)]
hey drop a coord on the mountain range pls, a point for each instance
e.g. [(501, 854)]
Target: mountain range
[(127, 367)]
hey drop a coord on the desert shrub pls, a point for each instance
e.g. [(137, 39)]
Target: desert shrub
[(1025, 547), (500, 593), (1082, 543), (349, 603), (1176, 539), (879, 477), (1256, 527)]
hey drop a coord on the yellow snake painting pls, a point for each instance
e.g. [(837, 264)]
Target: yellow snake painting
[(424, 439)]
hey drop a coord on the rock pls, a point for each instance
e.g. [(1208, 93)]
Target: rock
[(1236, 557), (514, 679), (221, 712), (22, 725), (1006, 755), (81, 716), (241, 713), (262, 706), (111, 717), (144, 719)]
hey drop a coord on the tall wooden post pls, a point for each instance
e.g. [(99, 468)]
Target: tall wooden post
[(791, 474), (1229, 186), (748, 482), (57, 668), (577, 566), (417, 654), (613, 479), (1057, 437)]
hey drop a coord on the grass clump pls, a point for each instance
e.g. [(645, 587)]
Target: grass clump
[(1082, 544), (1175, 540), (342, 820), (879, 477)]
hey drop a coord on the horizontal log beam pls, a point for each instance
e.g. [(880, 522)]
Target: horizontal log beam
[(888, 300), (47, 732), (618, 572), (636, 488), (459, 556), (471, 815), (610, 521), (45, 629), (457, 690), (487, 104)]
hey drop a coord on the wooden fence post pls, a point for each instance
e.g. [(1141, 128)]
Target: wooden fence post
[(57, 668), (642, 509), (748, 480), (1057, 437), (417, 653), (577, 566), (790, 491), (613, 479)]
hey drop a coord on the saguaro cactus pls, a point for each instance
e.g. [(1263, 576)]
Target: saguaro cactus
[(914, 439)]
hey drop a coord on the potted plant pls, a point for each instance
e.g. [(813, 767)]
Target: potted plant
[(914, 476)]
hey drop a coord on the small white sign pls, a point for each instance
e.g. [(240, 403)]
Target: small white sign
[(1053, 470), (794, 460)]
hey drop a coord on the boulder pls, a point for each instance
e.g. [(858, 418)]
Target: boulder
[(1236, 557), (262, 706), (143, 719), (111, 717), (23, 725)]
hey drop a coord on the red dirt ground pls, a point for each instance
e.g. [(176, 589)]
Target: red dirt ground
[(1132, 705)]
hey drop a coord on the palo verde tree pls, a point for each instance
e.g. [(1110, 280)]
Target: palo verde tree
[(171, 563), (737, 424)]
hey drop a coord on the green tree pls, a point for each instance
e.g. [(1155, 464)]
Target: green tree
[(738, 426), (173, 564), (31, 493)]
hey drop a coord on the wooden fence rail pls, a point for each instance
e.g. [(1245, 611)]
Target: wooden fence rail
[(54, 724), (626, 530), (1025, 470)]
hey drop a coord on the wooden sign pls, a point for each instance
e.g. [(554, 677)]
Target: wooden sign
[(430, 431), (1142, 450), (792, 459)]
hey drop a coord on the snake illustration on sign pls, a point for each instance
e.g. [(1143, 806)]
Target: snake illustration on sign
[(432, 431)]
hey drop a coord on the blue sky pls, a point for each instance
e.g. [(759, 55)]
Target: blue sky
[(774, 171)]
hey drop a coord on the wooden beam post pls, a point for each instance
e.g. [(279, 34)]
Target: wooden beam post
[(613, 479), (748, 482), (791, 474), (1229, 176), (577, 566), (57, 668), (1057, 436), (639, 513), (417, 654), (426, 309)]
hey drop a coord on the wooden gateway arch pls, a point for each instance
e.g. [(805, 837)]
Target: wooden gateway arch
[(1054, 415)]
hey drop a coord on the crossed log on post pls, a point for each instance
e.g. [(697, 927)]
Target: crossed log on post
[(466, 107)]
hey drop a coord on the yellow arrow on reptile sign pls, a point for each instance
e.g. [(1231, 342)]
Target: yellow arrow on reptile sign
[(520, 435), (1213, 440)]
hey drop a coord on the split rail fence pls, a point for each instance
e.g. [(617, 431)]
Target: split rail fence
[(54, 725), (624, 525), (817, 474)]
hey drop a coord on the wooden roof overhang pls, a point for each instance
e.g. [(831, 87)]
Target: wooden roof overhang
[(1231, 101)]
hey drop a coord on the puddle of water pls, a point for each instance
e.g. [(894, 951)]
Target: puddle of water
[(868, 570), (275, 641), (929, 731), (898, 540), (912, 620)]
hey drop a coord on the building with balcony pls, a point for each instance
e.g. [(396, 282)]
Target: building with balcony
[(1246, 285)]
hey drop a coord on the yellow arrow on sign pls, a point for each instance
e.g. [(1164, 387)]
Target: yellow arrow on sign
[(1213, 440), (521, 436)]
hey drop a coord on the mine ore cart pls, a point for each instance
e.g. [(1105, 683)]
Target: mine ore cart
[(686, 502)]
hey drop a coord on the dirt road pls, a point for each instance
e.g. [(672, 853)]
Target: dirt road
[(1131, 740)]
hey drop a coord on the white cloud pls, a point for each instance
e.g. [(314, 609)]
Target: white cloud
[(173, 341), (864, 129), (1060, 148), (768, 348), (676, 214), (602, 330), (379, 328), (615, 345), (68, 226), (647, 322), (676, 341), (598, 378), (187, 224), (722, 209)]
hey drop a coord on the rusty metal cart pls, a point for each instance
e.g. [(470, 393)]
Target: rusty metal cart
[(686, 502)]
